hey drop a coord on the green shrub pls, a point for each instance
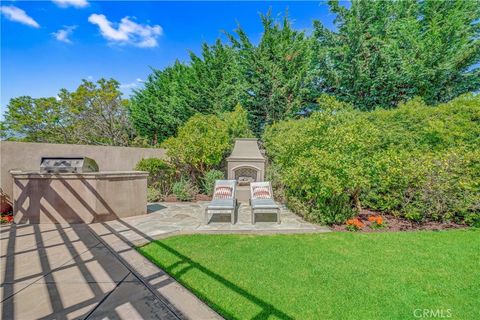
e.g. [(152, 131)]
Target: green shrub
[(184, 190), (473, 219), (203, 141), (200, 145), (154, 194), (237, 123), (160, 174), (208, 180), (155, 167), (417, 161), (273, 175), (426, 186)]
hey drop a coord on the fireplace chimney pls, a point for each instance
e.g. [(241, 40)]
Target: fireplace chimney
[(246, 164)]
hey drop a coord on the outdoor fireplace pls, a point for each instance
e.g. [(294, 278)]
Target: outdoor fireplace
[(246, 164)]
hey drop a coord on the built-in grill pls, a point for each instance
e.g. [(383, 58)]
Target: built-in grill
[(67, 165)]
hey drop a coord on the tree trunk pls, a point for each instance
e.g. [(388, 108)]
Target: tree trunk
[(155, 138), (356, 200)]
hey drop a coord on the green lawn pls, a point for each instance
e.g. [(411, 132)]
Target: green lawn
[(334, 275)]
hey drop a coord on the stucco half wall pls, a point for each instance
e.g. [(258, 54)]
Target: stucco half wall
[(25, 156), (78, 198)]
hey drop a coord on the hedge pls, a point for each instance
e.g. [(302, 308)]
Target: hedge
[(416, 161)]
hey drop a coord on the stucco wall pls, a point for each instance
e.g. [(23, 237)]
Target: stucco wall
[(78, 198), (26, 156)]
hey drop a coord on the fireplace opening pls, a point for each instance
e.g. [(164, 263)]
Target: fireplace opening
[(245, 175)]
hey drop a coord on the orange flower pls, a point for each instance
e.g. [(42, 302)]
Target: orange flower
[(371, 218), (379, 220), (355, 222), (358, 224)]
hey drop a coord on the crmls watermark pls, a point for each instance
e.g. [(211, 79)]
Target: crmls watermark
[(432, 313)]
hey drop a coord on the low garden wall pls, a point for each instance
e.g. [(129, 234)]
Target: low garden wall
[(25, 156)]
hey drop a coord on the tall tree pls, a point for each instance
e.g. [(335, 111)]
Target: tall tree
[(272, 80), (276, 71), (211, 83), (217, 83), (95, 113), (158, 109), (36, 120), (385, 52), (100, 111)]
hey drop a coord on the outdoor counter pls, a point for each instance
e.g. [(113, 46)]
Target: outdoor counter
[(78, 197)]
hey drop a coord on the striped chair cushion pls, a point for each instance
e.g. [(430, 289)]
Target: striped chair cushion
[(261, 193), (223, 192)]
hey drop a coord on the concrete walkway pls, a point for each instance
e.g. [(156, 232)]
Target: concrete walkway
[(68, 272), (93, 271)]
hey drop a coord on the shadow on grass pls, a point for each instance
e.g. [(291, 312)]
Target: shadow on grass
[(188, 264)]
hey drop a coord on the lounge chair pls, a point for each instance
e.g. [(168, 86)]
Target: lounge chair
[(261, 198), (223, 199)]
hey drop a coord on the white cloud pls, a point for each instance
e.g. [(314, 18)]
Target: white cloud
[(127, 31), (128, 85), (64, 34), (71, 3), (16, 14), (131, 85)]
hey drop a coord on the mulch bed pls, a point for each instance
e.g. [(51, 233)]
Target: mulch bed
[(170, 199), (203, 197), (393, 224), (390, 222)]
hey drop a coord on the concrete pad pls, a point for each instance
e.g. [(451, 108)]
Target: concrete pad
[(50, 249), (54, 300), (97, 265), (31, 236), (35, 263), (132, 300)]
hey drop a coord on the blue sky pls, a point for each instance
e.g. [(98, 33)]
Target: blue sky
[(48, 45)]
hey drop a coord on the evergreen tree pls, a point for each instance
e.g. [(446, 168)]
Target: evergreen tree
[(217, 83), (158, 109), (386, 52), (276, 71)]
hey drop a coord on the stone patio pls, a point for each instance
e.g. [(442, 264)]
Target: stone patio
[(170, 218), (92, 271)]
